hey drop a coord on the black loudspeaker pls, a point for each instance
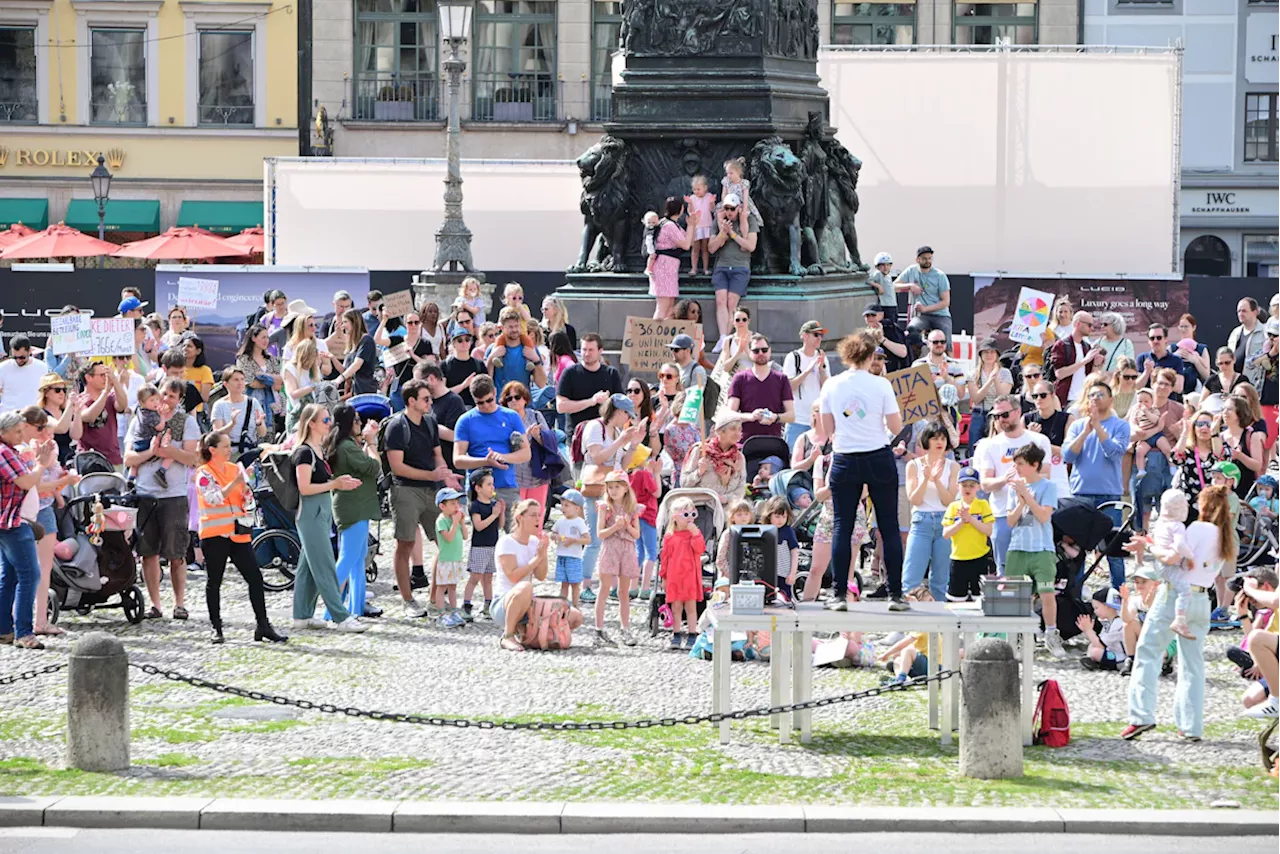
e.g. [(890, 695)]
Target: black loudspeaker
[(753, 556)]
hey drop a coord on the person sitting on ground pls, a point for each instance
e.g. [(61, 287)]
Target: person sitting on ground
[(1106, 649), (522, 559), (910, 656), (1263, 646)]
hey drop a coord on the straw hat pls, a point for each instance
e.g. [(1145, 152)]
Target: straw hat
[(297, 308), (50, 380)]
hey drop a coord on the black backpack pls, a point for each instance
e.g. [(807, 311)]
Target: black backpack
[(282, 477)]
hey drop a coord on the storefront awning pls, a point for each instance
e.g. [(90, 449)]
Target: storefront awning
[(122, 215), (33, 213), (221, 217)]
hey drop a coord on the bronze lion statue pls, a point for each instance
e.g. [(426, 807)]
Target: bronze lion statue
[(777, 183), (605, 171)]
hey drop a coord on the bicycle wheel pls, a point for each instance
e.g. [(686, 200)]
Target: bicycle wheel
[(277, 553)]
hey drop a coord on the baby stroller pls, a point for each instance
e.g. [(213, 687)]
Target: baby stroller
[(805, 526), (277, 549), (1079, 528), (95, 563), (1257, 534), (711, 524), (755, 451)]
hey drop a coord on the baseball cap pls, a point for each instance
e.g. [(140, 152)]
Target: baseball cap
[(731, 201), (621, 401), (924, 250), (1229, 469), (812, 326), (1148, 572), (681, 342), (872, 308), (1108, 596), (447, 494), (573, 496), (459, 332), (969, 474), (129, 304)]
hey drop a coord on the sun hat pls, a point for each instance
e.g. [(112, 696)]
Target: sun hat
[(639, 457), (297, 308), (50, 380)]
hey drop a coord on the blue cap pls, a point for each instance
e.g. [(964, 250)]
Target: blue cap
[(621, 401), (447, 494), (573, 496), (129, 304), (776, 462), (970, 474)]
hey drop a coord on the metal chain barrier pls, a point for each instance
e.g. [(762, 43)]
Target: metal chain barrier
[(536, 726), (32, 674)]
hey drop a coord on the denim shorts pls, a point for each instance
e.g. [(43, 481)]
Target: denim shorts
[(48, 520), (569, 569), (732, 279), (647, 543)]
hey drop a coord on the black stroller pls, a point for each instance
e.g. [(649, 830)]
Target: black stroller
[(1079, 528), (755, 451)]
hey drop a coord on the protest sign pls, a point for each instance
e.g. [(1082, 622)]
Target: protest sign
[(1031, 317), (197, 293), (914, 389), (398, 304), (70, 333), (111, 336), (395, 354), (644, 344), (692, 409)]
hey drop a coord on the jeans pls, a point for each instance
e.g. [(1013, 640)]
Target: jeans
[(19, 577), (397, 400), (1000, 542), (850, 473), (591, 553), (1188, 700), (1115, 564), (353, 548), (927, 548), (977, 428), (926, 323), (792, 434), (217, 551), (317, 572), (1146, 490)]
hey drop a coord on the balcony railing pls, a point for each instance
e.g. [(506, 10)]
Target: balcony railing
[(225, 115), (113, 113), (396, 98), (515, 97), (602, 99), (18, 112)]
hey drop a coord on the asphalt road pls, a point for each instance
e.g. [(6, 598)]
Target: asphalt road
[(50, 840)]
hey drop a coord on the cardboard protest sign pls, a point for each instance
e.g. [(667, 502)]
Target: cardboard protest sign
[(111, 336), (1031, 317), (916, 394), (70, 333), (398, 304), (197, 293), (644, 343), (395, 354)]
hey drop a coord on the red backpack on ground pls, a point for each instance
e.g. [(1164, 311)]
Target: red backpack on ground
[(548, 624), (1052, 720)]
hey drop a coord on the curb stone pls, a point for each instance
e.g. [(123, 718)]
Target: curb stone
[(557, 817)]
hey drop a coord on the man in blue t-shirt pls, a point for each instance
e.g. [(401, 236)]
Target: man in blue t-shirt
[(482, 439), (930, 291), (1160, 357), (513, 357)]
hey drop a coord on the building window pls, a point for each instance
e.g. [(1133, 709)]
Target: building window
[(994, 23), (1262, 256), (1207, 255), (226, 77), (606, 22), (873, 23), (118, 77), (18, 98), (1260, 128), (397, 71), (515, 61)]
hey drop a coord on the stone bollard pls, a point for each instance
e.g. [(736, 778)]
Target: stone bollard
[(991, 715), (98, 704)]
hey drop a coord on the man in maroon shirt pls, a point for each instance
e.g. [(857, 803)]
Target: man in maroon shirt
[(103, 399), (762, 394)]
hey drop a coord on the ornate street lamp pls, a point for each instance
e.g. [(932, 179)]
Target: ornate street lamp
[(453, 238), (101, 180)]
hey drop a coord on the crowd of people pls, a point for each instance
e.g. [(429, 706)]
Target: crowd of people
[(494, 423)]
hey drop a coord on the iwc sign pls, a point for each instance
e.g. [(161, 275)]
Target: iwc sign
[(1260, 59)]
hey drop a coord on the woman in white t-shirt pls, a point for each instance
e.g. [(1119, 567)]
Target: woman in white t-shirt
[(860, 413), (522, 558), (932, 484), (1212, 539)]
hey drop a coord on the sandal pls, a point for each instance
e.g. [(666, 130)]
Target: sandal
[(51, 631), (180, 613), (153, 613), (510, 644), (29, 642), (6, 639)]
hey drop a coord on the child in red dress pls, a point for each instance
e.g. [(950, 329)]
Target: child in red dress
[(681, 563)]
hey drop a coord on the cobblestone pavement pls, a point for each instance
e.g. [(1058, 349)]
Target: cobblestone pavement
[(187, 740)]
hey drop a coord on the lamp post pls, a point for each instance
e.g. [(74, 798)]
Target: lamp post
[(101, 180), (453, 238)]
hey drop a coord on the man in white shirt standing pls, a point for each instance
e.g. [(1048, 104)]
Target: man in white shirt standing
[(20, 375), (993, 459), (1073, 359), (807, 369)]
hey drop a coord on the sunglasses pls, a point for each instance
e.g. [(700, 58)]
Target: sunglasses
[(1098, 395), (326, 421), (759, 349), (1204, 423), (1155, 337), (688, 514), (739, 320), (486, 400), (463, 339), (729, 209), (1128, 376), (635, 391), (666, 376), (1002, 415), (413, 323), (58, 389), (1032, 376), (1040, 395), (937, 343)]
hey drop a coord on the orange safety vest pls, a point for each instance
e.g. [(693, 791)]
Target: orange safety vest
[(219, 520)]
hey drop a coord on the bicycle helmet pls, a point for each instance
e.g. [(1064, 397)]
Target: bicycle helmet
[(883, 258), (1269, 482)]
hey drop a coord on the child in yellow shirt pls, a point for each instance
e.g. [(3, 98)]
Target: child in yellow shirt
[(967, 524)]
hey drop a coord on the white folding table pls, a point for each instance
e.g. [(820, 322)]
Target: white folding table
[(781, 624), (972, 620)]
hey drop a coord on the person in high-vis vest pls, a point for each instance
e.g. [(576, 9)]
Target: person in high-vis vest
[(226, 526)]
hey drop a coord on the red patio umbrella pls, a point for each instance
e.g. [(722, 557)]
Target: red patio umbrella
[(178, 243), (251, 240), (15, 232), (57, 241)]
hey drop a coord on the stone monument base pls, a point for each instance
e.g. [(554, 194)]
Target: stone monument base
[(442, 289), (779, 304)]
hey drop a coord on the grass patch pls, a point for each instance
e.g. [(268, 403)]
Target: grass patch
[(171, 760)]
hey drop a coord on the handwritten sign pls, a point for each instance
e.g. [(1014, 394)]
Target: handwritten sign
[(645, 342), (70, 333), (395, 354), (692, 409), (111, 336), (916, 394), (398, 304), (197, 293), (1031, 317)]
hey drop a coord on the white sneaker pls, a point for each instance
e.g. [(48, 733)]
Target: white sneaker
[(313, 623), (627, 637), (1269, 709), (413, 609), (351, 624), (1053, 643)]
